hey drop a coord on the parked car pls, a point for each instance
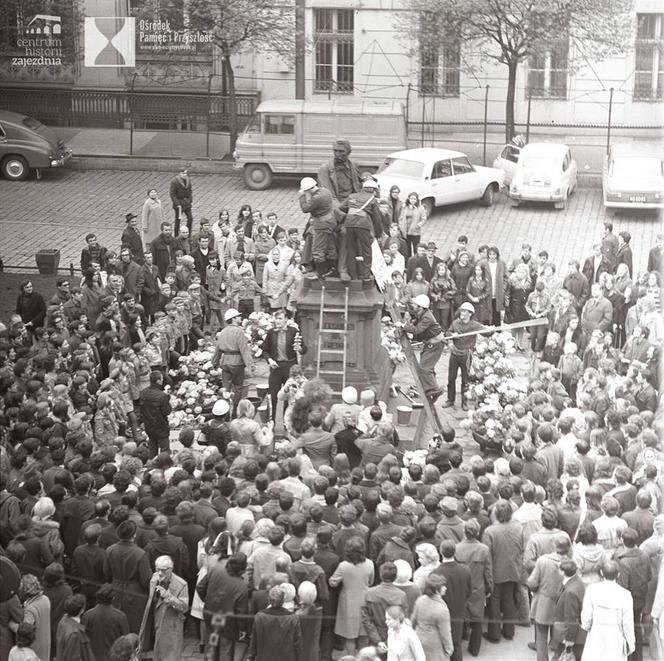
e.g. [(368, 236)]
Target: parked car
[(633, 177), (439, 177), (27, 144), (539, 172), (295, 137)]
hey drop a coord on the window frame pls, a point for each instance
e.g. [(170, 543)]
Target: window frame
[(334, 50), (282, 123), (655, 44), (444, 176), (466, 162), (442, 79)]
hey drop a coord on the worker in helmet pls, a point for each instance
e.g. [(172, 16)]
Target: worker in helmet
[(424, 328), (461, 352), (320, 204), (233, 354)]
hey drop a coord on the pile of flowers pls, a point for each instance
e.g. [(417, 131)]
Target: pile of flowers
[(255, 329), (494, 388), (415, 457), (389, 339)]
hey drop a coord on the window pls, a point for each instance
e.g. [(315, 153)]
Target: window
[(441, 169), (279, 124), (439, 68), (461, 165), (649, 56), (547, 72), (511, 153), (334, 50)]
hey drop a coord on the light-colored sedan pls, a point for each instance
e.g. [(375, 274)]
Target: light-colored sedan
[(633, 177), (539, 172), (439, 177)]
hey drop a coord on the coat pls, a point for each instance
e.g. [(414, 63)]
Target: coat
[(411, 220), (104, 624), (150, 291), (181, 192), (567, 616), (545, 581), (635, 573), (274, 277), (355, 581), (459, 589), (608, 618), (327, 178), (162, 252), (152, 216), (501, 283), (37, 611), (597, 314), (220, 591), (276, 636), (431, 620), (132, 239), (169, 616), (505, 542), (376, 602), (155, 408), (624, 256), (73, 643), (404, 645), (477, 558)]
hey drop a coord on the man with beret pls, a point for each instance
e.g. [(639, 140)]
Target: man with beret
[(132, 239)]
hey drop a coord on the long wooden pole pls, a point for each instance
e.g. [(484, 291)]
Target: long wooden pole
[(494, 329)]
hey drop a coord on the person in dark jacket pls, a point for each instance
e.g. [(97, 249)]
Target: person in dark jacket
[(150, 292), (624, 254), (567, 631), (72, 641), (155, 408), (93, 253), (223, 590), (277, 635), (163, 250), (131, 238), (104, 623), (75, 511), (320, 204), (634, 575), (89, 563), (181, 197), (171, 545), (459, 588), (31, 306)]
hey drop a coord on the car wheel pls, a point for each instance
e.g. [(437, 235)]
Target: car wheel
[(257, 176), (563, 203), (15, 168), (487, 197), (515, 203), (428, 205)]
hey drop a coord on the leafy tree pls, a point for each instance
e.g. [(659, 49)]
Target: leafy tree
[(511, 31)]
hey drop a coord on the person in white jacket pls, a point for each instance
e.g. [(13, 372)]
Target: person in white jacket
[(402, 641)]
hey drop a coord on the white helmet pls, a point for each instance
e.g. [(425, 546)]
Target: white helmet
[(221, 407), (467, 306), (349, 395), (370, 183), (308, 183), (422, 300), (231, 313)]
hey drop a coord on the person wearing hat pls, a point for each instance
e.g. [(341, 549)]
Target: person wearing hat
[(233, 354), (428, 261), (132, 239), (424, 328), (320, 204), (363, 224), (461, 352), (348, 407)]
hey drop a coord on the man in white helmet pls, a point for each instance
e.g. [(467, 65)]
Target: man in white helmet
[(424, 328), (320, 204), (461, 352), (363, 223), (233, 354)]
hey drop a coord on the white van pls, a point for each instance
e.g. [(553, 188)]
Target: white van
[(295, 136)]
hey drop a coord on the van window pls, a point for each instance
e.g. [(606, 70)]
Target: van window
[(461, 165), (441, 169), (279, 124)]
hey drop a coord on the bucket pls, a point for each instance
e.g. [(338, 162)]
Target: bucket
[(264, 413), (262, 390), (403, 415)]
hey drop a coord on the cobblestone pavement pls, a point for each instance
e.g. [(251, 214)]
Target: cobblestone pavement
[(59, 210)]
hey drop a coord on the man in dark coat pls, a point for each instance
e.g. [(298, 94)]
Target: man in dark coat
[(597, 313), (594, 265), (131, 238), (150, 293), (155, 408), (576, 284), (163, 249), (277, 635), (656, 256), (132, 273), (104, 624), (93, 253), (166, 544), (326, 558), (223, 590), (88, 563), (129, 568), (427, 262), (190, 533), (320, 204), (72, 641), (75, 511), (181, 197), (378, 599), (624, 255), (281, 352), (459, 587), (610, 247), (30, 306), (567, 631)]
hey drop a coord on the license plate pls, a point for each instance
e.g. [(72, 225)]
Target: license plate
[(637, 198)]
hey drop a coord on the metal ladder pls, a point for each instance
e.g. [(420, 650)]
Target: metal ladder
[(332, 331)]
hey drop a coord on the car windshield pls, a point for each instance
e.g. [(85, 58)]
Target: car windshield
[(539, 163), (637, 167), (400, 167), (32, 124)]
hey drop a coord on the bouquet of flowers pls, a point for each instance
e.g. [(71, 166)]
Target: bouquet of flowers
[(415, 457), (191, 399), (255, 329), (197, 365), (389, 339)]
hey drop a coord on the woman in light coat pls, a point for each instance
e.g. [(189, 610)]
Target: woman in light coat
[(431, 620), (411, 221), (274, 277), (37, 612), (151, 217), (403, 643)]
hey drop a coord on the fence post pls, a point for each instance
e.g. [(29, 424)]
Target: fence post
[(131, 115), (209, 111), (530, 99), (486, 114), (424, 97), (608, 128)]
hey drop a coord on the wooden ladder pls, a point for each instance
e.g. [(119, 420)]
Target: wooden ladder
[(322, 332)]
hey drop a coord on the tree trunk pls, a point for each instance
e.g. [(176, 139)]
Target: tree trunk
[(232, 103), (509, 101)]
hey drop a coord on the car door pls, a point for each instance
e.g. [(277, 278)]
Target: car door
[(4, 142), (507, 160), (279, 142), (442, 183), (465, 179)]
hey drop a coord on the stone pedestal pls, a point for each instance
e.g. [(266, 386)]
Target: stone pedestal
[(365, 305)]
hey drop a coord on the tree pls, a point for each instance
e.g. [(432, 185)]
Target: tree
[(511, 31), (233, 26)]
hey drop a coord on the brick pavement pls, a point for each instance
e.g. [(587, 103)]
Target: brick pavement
[(61, 208)]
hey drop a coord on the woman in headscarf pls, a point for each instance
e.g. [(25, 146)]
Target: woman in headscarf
[(37, 612), (45, 527)]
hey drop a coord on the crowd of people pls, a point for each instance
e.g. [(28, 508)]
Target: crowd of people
[(330, 543)]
